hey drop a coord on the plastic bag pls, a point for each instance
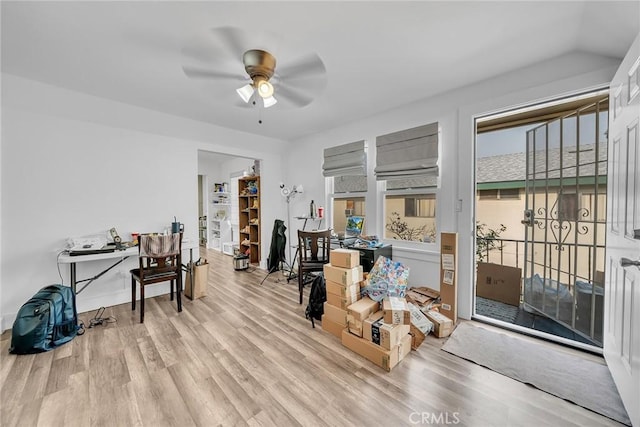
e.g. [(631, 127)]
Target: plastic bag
[(386, 278)]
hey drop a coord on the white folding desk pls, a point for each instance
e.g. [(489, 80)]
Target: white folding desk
[(118, 256)]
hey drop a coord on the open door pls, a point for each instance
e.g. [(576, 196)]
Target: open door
[(565, 199), (622, 282)]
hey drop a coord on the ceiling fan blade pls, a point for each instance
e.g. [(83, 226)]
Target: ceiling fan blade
[(216, 47), (302, 67), (233, 39), (201, 73), (301, 91), (293, 96)]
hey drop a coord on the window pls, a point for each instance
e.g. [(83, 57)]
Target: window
[(345, 207), (407, 162), (345, 167), (488, 194), (509, 193), (567, 207), (410, 217), (420, 207), (499, 194)]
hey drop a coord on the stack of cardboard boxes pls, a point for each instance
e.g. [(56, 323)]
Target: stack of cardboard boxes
[(342, 280), (379, 335), (383, 333)]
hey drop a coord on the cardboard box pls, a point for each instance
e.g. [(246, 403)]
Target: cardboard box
[(442, 325), (366, 325), (343, 276), (422, 296), (499, 283), (355, 326), (420, 320), (396, 311), (449, 274), (335, 314), (346, 258), (332, 327), (362, 308), (420, 326), (351, 291), (388, 336), (340, 302), (198, 287), (417, 337), (386, 359)]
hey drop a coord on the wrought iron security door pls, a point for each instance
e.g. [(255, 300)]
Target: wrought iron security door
[(564, 219)]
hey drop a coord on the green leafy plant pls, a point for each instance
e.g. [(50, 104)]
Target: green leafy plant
[(402, 230), (487, 239)]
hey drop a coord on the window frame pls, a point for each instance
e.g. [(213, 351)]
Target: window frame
[(331, 215), (503, 194), (383, 192), (331, 195), (416, 205)]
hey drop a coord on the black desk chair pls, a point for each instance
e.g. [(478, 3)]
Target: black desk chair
[(159, 258), (314, 248)]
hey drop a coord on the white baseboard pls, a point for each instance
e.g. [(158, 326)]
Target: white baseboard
[(85, 304)]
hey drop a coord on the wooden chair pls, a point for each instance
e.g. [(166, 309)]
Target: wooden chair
[(314, 248), (159, 258)]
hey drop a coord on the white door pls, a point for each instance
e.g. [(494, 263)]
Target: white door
[(622, 283)]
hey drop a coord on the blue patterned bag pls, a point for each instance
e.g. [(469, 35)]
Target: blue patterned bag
[(386, 278)]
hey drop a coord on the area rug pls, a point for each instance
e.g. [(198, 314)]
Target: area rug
[(570, 377)]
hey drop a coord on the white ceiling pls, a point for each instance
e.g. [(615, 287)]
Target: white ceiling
[(378, 55)]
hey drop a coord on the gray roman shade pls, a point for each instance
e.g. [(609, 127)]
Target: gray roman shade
[(412, 183), (349, 184), (408, 154), (345, 160)]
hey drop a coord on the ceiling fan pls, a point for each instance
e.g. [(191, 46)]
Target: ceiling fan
[(260, 65), (219, 55)]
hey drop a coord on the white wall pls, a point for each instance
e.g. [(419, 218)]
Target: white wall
[(73, 165), (52, 136), (454, 111)]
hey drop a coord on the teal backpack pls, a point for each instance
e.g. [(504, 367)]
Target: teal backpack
[(48, 320)]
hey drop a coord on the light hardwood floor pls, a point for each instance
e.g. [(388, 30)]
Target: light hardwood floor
[(246, 355)]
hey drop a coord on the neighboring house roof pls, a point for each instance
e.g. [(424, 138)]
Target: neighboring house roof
[(512, 167), (504, 167)]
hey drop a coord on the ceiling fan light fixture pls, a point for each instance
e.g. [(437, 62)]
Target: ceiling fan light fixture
[(265, 89), (245, 92), (269, 102)]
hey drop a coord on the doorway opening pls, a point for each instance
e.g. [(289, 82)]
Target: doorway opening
[(218, 191), (541, 184)]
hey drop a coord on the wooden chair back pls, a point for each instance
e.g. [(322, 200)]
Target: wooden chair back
[(159, 260), (314, 246)]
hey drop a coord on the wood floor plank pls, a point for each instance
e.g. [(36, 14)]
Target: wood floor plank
[(61, 370), (6, 362), (21, 415), (173, 408), (226, 413), (297, 406), (234, 392), (152, 359), (245, 355), (18, 379), (57, 406)]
